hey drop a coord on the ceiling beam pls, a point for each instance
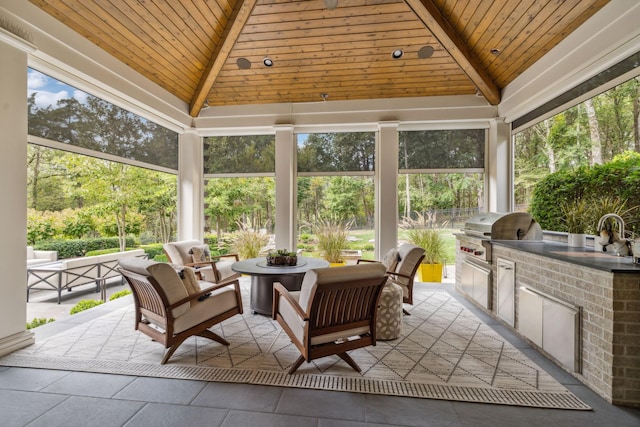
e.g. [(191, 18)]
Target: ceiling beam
[(442, 30), (234, 26)]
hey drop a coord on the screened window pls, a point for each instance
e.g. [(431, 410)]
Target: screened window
[(442, 149), (62, 113), (322, 153), (245, 154)]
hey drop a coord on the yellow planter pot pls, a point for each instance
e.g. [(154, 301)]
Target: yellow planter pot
[(430, 273), (337, 264)]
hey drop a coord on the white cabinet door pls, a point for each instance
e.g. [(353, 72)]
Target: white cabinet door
[(506, 292)]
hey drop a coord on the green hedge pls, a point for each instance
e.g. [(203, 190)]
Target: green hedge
[(619, 178), (80, 247)]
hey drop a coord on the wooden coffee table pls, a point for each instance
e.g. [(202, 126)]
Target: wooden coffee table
[(263, 276)]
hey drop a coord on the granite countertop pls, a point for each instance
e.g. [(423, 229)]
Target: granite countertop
[(580, 256)]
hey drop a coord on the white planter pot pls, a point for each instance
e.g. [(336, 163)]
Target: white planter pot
[(575, 240), (635, 250), (597, 247)]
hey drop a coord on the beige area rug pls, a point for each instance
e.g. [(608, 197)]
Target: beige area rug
[(444, 352)]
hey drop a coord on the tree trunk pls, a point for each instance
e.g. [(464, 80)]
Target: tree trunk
[(594, 132), (636, 117)]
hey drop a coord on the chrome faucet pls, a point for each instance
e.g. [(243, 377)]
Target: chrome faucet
[(620, 244)]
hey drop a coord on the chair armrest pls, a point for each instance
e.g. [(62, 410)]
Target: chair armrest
[(198, 295), (279, 289), (392, 273), (234, 256)]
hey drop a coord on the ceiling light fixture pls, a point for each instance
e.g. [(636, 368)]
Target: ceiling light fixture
[(397, 53), (205, 105), (267, 62), (324, 96), (331, 4), (495, 51)]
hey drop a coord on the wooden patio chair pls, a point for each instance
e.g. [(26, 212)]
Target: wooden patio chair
[(194, 253), (334, 311), (170, 309), (402, 265)]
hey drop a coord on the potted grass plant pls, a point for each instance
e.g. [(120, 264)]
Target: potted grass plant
[(421, 232), (332, 237), (248, 242), (576, 215)]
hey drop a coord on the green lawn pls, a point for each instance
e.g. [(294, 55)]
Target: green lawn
[(365, 244)]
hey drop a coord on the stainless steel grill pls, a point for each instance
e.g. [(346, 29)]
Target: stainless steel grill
[(479, 230), (473, 258)]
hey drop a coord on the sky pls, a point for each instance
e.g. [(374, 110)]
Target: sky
[(49, 90)]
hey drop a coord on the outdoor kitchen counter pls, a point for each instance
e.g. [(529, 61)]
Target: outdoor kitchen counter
[(586, 257), (596, 297)]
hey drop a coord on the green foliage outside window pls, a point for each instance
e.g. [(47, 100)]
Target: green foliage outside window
[(620, 177)]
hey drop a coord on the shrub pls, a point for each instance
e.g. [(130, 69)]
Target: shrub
[(153, 250), (85, 304), (621, 176), (80, 247), (120, 294), (332, 239), (39, 322), (248, 242)]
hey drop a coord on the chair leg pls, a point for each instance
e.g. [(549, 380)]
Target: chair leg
[(170, 351), (213, 336), (350, 361), (296, 365)]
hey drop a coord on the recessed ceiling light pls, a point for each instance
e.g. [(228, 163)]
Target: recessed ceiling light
[(425, 52), (267, 62), (397, 53), (495, 51), (243, 63)]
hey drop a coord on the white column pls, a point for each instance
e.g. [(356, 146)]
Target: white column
[(386, 183), (190, 187), (286, 188), (13, 193), (499, 167)]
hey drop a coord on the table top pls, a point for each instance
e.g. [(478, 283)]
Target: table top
[(257, 266)]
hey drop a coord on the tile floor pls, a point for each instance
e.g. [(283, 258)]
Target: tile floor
[(34, 397)]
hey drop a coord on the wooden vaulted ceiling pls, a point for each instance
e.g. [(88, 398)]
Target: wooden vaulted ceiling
[(195, 48)]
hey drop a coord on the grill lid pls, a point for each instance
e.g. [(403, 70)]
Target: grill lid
[(504, 226)]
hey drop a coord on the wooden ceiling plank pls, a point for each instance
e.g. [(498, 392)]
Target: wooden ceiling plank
[(369, 24), (79, 22), (267, 40), (481, 19), (236, 23), (502, 24), (174, 10), (177, 30), (434, 21), (150, 32), (566, 18)]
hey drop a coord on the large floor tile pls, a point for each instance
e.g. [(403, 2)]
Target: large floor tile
[(239, 396), (164, 415), (28, 379), (88, 412), (322, 404), (89, 384), (410, 411), (243, 418), (17, 408), (162, 390)]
